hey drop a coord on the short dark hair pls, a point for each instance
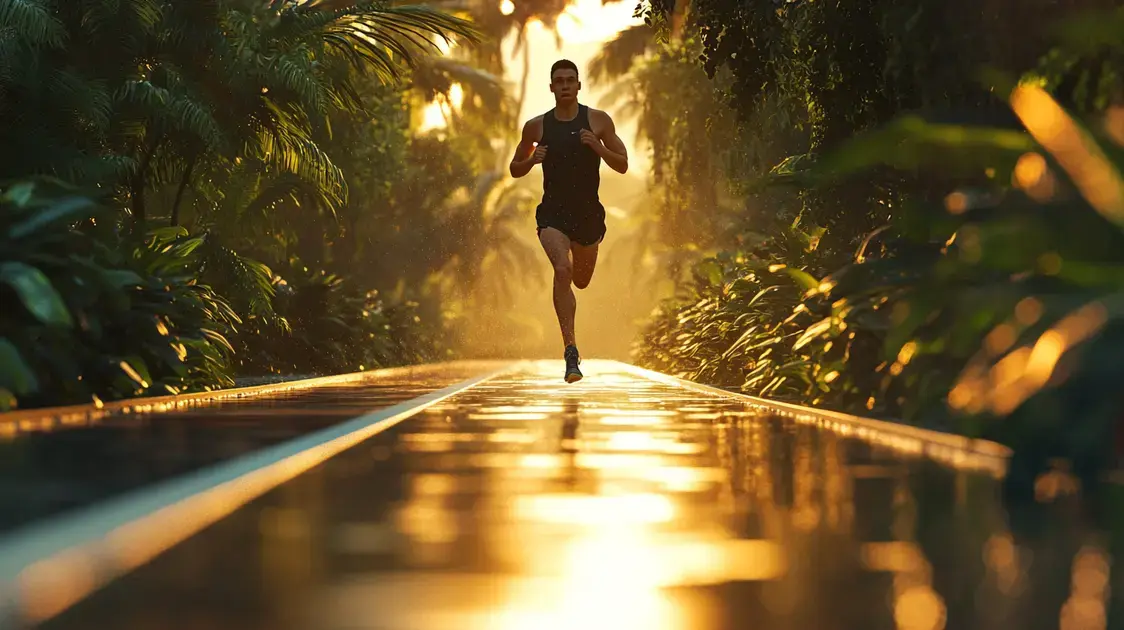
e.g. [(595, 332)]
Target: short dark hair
[(562, 64)]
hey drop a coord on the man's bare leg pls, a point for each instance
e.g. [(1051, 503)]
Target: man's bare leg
[(557, 248), (585, 261)]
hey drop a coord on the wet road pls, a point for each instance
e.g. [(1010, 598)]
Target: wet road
[(625, 502), (45, 472)]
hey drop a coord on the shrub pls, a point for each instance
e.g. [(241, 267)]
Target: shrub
[(996, 311), (88, 315), (333, 327)]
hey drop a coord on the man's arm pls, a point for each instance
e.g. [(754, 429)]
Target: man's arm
[(610, 147), (527, 155)]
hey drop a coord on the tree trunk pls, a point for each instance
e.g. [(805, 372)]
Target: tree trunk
[(175, 220), (136, 195), (520, 43), (137, 186)]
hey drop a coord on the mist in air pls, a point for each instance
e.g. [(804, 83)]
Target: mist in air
[(510, 313)]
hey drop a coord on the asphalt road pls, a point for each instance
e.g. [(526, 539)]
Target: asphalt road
[(513, 501)]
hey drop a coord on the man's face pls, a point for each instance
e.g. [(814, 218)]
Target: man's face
[(564, 84)]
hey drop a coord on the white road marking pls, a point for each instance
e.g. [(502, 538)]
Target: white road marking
[(48, 566)]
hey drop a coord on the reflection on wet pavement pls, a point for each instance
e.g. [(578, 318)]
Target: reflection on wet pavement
[(620, 503), (42, 473)]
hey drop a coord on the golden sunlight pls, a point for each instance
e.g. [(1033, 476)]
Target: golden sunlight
[(1086, 164), (582, 28), (436, 114)]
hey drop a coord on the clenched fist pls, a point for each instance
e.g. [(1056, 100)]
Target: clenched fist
[(539, 155), (591, 140)]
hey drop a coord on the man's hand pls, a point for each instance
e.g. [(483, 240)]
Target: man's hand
[(529, 151), (591, 140)]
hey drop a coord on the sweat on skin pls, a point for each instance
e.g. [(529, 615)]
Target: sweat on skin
[(571, 219)]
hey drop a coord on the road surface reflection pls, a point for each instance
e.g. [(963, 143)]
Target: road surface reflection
[(626, 503)]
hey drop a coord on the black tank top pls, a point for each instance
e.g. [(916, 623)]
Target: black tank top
[(571, 170)]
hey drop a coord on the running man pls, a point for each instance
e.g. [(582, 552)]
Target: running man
[(569, 141)]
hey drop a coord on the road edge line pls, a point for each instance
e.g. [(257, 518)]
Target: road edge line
[(49, 566), (48, 418), (936, 443)]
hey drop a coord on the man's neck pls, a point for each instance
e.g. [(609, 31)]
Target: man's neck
[(566, 111)]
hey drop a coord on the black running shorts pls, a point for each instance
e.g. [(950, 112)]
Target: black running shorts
[(583, 223)]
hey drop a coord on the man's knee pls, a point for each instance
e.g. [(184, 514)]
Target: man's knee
[(564, 272), (581, 283)]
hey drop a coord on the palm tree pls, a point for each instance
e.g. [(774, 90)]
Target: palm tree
[(485, 227), (161, 86), (664, 90), (617, 56)]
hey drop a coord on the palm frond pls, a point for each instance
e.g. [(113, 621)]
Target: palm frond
[(512, 203), (89, 101), (436, 75), (144, 93), (173, 107), (189, 115), (373, 37), (617, 55), (32, 21), (295, 71), (107, 17), (13, 57), (288, 187), (85, 169), (624, 98), (287, 146), (251, 281)]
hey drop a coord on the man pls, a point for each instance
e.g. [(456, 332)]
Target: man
[(570, 141)]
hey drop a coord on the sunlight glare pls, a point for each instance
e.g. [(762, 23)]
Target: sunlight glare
[(1077, 153), (432, 117), (609, 584), (443, 45), (595, 511), (456, 95)]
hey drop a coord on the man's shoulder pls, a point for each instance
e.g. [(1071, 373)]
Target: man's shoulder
[(534, 122), (599, 114)]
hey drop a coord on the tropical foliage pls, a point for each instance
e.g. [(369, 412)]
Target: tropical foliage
[(199, 191), (87, 316), (941, 245)]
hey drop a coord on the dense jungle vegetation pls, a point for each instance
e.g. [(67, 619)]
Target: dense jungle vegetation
[(192, 192), (899, 209)]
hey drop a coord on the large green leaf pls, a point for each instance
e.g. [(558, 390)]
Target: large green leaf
[(122, 278), (911, 141), (66, 209), (802, 278), (37, 293), (7, 399), (15, 374), (710, 270), (20, 194)]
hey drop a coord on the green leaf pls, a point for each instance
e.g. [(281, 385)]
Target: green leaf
[(133, 374), (70, 209), (7, 399), (166, 235), (122, 278), (140, 368), (911, 141), (20, 194), (802, 278), (15, 374), (37, 293), (710, 270)]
